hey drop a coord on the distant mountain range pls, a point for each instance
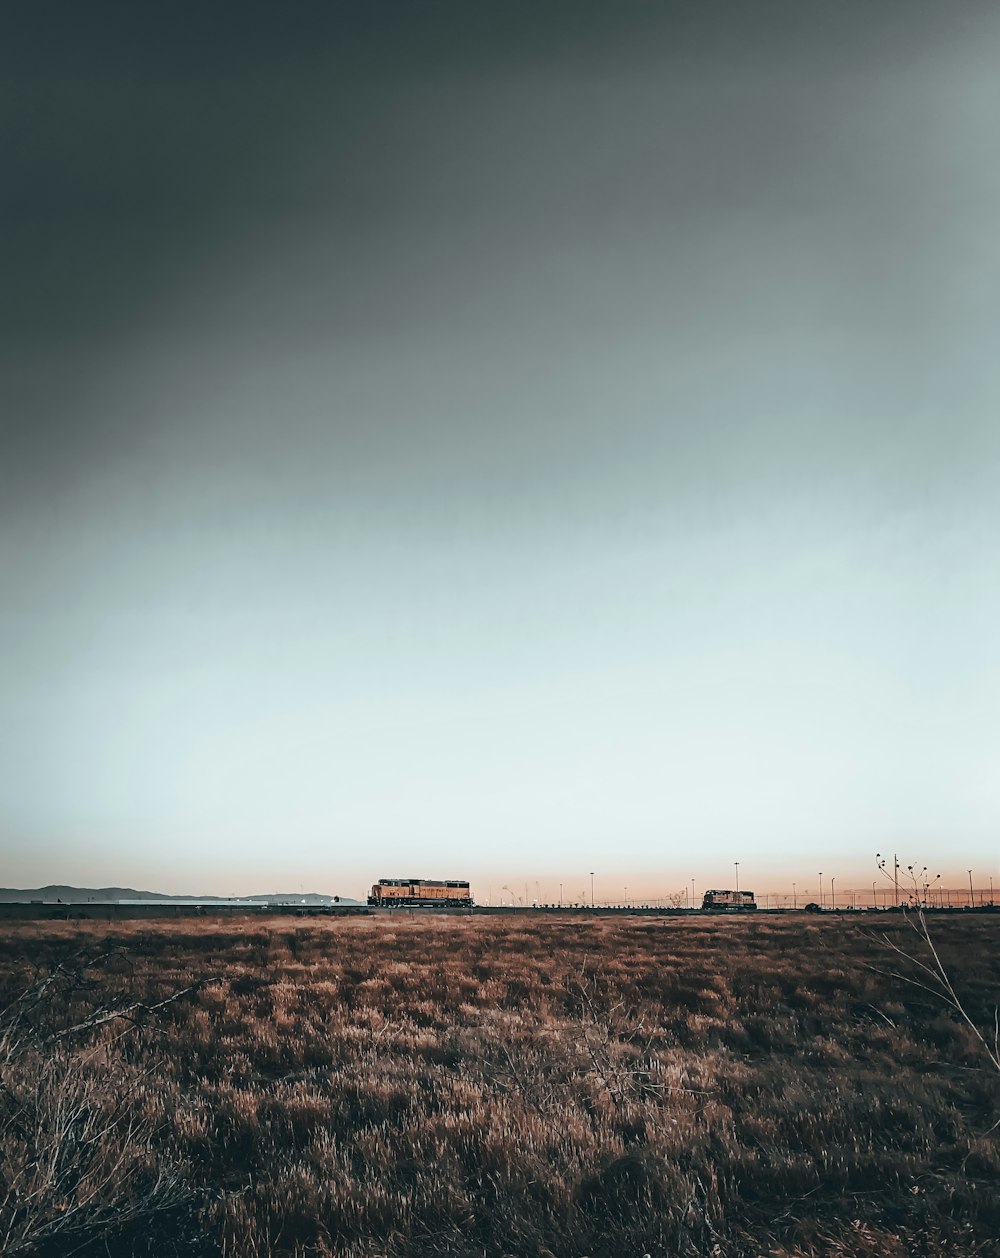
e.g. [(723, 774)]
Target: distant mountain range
[(82, 895)]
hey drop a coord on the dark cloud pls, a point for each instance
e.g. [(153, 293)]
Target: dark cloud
[(400, 317)]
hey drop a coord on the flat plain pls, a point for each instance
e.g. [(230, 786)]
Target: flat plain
[(388, 1087)]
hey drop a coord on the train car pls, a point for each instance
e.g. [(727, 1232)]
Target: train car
[(729, 901), (421, 893)]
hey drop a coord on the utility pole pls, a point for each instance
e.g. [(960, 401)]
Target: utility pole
[(874, 897), (692, 894), (591, 888), (795, 900), (821, 888), (560, 895), (972, 894), (833, 894), (895, 878), (737, 864)]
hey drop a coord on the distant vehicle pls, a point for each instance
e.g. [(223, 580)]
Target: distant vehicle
[(729, 901), (425, 892)]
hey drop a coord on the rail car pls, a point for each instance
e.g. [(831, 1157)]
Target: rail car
[(729, 902), (420, 893)]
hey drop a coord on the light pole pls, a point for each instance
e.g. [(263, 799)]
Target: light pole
[(626, 897), (833, 893), (591, 888), (972, 894), (874, 897), (737, 864), (821, 888), (991, 888), (560, 895), (692, 893), (795, 902)]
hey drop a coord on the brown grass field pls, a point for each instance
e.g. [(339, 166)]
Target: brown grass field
[(495, 1086)]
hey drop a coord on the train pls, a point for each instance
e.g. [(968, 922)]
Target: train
[(729, 902), (420, 893)]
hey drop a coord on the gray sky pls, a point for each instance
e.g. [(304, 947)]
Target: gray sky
[(499, 440)]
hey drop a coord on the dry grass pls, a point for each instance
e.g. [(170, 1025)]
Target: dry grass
[(454, 1086)]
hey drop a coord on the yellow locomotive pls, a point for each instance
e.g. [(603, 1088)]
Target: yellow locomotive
[(420, 892)]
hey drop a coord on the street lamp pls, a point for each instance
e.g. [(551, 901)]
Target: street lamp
[(692, 893), (821, 888), (737, 864), (833, 894), (560, 895), (626, 897), (795, 903), (591, 888), (972, 894)]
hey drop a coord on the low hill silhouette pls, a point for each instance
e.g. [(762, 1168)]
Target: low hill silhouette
[(83, 895)]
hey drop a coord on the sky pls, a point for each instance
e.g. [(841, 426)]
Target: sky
[(499, 441)]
